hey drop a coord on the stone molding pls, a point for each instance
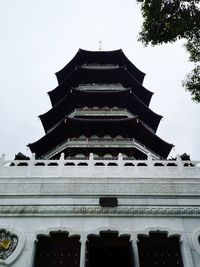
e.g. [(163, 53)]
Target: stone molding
[(91, 211), (79, 187)]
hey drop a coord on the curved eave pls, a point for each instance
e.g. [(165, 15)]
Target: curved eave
[(114, 75), (104, 57), (79, 99), (131, 127), (130, 65)]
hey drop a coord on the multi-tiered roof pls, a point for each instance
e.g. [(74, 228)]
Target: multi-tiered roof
[(100, 106)]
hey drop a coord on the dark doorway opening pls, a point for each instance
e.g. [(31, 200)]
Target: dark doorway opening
[(57, 250), (159, 250), (108, 249)]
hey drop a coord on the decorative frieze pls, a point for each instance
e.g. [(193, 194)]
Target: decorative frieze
[(59, 210), (99, 186)]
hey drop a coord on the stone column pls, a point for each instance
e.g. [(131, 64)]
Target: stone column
[(135, 252), (186, 252), (83, 251)]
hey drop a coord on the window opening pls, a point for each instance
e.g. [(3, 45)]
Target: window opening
[(159, 250), (57, 249), (108, 249)]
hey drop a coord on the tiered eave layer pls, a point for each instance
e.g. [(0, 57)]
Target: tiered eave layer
[(80, 99), (84, 57), (130, 128), (100, 76)]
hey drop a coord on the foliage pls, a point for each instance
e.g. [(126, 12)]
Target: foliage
[(193, 47), (169, 20), (192, 83)]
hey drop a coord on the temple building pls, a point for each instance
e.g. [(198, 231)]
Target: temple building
[(99, 189)]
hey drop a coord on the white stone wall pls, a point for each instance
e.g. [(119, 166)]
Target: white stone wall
[(38, 199), (31, 227)]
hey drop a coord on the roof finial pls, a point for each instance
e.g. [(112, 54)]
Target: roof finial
[(100, 45)]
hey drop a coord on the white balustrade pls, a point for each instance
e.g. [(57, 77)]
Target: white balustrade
[(90, 167)]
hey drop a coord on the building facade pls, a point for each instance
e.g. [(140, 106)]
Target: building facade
[(99, 189)]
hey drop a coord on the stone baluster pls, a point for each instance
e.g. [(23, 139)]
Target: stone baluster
[(120, 163), (2, 159), (91, 158), (31, 164), (180, 165), (61, 164), (150, 164), (91, 162)]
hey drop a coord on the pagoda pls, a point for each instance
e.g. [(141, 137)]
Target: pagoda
[(98, 189), (100, 106)]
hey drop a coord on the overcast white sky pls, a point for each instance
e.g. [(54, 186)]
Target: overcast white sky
[(39, 37)]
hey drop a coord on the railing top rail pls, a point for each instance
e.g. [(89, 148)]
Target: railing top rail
[(92, 159)]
